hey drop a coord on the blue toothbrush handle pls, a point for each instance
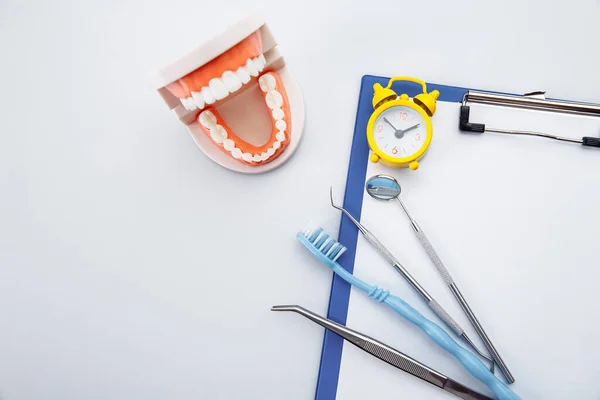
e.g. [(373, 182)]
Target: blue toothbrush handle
[(438, 335)]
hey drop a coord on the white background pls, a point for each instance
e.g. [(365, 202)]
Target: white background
[(131, 266)]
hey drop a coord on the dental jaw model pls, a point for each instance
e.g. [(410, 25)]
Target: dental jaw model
[(237, 98)]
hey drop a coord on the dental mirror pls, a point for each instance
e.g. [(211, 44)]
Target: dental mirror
[(383, 187)]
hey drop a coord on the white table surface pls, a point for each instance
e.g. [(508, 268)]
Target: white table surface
[(132, 266)]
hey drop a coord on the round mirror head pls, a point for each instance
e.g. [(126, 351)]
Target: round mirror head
[(383, 187)]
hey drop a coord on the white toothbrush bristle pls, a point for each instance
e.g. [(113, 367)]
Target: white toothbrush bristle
[(325, 243), (318, 237), (338, 255), (335, 245), (311, 227)]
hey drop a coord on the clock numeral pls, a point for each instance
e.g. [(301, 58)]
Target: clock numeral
[(379, 128), (403, 115), (418, 137), (395, 150)]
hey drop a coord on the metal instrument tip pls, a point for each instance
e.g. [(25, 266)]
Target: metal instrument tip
[(331, 199), (285, 308), (340, 208)]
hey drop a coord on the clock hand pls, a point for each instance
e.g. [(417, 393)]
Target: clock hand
[(390, 124), (410, 128), (397, 132)]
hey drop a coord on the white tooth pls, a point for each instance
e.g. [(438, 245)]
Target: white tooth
[(259, 66), (277, 145), (270, 151), (277, 114), (229, 145), (218, 88), (278, 98), (243, 75), (251, 68), (270, 102), (198, 99), (267, 83), (231, 81), (281, 125), (274, 99), (208, 119), (247, 157), (218, 134), (184, 103), (236, 153), (264, 155), (216, 138), (262, 59), (190, 104), (280, 136), (257, 158), (207, 95)]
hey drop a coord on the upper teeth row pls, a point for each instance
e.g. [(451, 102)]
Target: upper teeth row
[(229, 82)]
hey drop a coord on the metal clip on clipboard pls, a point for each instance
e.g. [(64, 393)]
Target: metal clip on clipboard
[(531, 101)]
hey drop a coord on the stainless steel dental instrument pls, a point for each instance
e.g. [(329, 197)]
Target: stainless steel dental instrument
[(532, 101), (388, 354), (385, 187), (434, 305)]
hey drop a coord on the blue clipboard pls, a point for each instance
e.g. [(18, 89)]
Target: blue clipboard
[(331, 353)]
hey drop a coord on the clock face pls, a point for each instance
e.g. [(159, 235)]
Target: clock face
[(400, 131)]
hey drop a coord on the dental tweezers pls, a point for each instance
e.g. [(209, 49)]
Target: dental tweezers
[(389, 355)]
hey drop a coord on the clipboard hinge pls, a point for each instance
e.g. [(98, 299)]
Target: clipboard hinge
[(463, 122)]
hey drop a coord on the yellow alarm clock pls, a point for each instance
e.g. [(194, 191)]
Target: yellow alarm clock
[(399, 131)]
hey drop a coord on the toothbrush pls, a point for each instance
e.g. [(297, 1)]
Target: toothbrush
[(328, 250)]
